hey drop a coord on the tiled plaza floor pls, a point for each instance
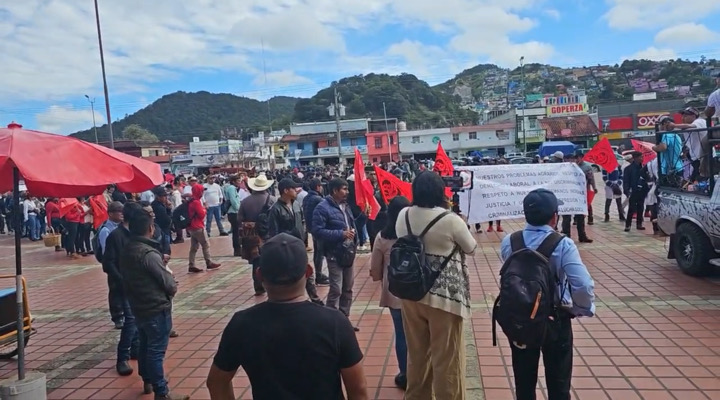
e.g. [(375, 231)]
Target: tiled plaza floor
[(656, 335)]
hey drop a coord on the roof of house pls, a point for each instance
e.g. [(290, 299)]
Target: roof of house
[(159, 159), (565, 127)]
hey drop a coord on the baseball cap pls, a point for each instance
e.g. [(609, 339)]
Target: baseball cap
[(690, 110), (539, 206), (159, 191), (287, 183), (283, 259), (558, 154)]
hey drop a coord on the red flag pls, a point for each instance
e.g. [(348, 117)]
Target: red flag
[(603, 155), (364, 193), (391, 186), (443, 164), (99, 206), (645, 148), (66, 204)]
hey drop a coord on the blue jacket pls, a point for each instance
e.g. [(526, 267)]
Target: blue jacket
[(309, 203), (615, 176), (328, 223)]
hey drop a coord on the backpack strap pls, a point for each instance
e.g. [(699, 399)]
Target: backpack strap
[(433, 222), (547, 247), (407, 221), (517, 241)]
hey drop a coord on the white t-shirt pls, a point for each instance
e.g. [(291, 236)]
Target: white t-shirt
[(213, 195), (714, 101), (693, 139)]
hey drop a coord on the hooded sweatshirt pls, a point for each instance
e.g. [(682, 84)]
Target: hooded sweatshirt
[(196, 211)]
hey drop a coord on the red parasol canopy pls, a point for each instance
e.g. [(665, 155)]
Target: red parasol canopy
[(61, 166)]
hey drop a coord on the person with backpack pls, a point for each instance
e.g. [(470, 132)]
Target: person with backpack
[(432, 239), (379, 261), (196, 229), (543, 286)]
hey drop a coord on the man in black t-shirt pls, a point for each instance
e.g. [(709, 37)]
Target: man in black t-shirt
[(289, 347)]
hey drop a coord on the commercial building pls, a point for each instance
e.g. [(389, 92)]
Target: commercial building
[(490, 139), (315, 143), (382, 140), (622, 121)]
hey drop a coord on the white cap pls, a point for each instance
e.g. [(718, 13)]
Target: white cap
[(558, 154)]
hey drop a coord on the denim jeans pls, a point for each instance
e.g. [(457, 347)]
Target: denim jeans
[(129, 341), (213, 212), (31, 227), (154, 336), (400, 343), (360, 223)]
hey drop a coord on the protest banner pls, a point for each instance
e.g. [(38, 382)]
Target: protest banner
[(498, 190)]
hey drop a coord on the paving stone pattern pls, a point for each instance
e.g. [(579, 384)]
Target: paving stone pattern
[(656, 335)]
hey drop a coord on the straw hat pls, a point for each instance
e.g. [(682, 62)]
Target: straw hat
[(260, 183)]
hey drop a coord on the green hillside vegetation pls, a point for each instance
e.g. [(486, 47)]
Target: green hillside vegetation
[(180, 116)]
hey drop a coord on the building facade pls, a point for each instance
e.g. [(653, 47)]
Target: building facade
[(622, 121), (490, 139), (315, 143), (382, 140)]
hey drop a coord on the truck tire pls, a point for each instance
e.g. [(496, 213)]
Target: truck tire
[(693, 250)]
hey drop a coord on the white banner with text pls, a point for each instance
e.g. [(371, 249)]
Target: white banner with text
[(498, 190)]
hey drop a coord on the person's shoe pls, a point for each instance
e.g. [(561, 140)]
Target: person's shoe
[(259, 292), (640, 228), (401, 381), (356, 329), (172, 396), (622, 218), (174, 334), (647, 214), (500, 229), (607, 218), (322, 280), (591, 221), (224, 234), (213, 266), (58, 248), (627, 229), (178, 240), (147, 388), (585, 239), (194, 270), (123, 368), (490, 229)]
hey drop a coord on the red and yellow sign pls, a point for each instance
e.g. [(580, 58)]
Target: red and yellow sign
[(565, 110), (648, 120)]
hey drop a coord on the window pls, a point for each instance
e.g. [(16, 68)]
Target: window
[(301, 146), (533, 123), (473, 135), (392, 140), (456, 137), (332, 142), (415, 139), (378, 143), (353, 142)]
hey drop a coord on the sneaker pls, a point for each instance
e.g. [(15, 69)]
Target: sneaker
[(172, 396), (213, 266), (174, 334), (401, 381), (607, 218), (224, 234), (641, 228), (490, 229), (123, 368), (585, 240), (627, 229), (500, 229), (194, 270), (322, 280)]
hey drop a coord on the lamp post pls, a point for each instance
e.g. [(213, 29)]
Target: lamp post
[(522, 82), (387, 130), (105, 86), (92, 107)]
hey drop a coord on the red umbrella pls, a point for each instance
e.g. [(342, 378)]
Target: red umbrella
[(61, 166)]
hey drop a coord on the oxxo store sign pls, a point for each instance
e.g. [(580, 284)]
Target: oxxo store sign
[(648, 120), (565, 110)]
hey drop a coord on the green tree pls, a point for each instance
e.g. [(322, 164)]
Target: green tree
[(137, 132)]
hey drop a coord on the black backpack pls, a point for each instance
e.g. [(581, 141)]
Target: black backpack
[(262, 223), (527, 292), (410, 275), (181, 215), (95, 243)]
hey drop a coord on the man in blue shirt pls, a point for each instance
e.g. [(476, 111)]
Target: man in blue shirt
[(669, 151), (576, 299)]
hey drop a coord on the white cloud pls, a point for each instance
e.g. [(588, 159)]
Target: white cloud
[(281, 78), (654, 54), (634, 14), (552, 13), (688, 33), (65, 120)]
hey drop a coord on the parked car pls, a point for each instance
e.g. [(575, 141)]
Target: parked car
[(520, 160)]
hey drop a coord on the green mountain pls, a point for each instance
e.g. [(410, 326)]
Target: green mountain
[(405, 97), (180, 116)]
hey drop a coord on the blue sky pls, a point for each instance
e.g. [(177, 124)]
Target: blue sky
[(51, 60)]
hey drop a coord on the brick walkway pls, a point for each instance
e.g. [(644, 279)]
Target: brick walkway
[(656, 336)]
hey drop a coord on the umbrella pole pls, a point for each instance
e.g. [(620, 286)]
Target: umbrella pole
[(18, 276)]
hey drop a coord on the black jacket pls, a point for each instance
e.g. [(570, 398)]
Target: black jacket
[(310, 202), (163, 215), (149, 286), (114, 247), (635, 180), (283, 220)]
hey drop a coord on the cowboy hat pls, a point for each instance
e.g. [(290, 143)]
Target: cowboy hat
[(260, 183)]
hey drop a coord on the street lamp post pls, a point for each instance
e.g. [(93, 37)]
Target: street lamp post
[(387, 130), (92, 107), (522, 82), (105, 86)]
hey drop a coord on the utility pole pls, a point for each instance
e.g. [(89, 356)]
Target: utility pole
[(387, 130), (522, 82), (105, 86), (336, 109), (92, 107)]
